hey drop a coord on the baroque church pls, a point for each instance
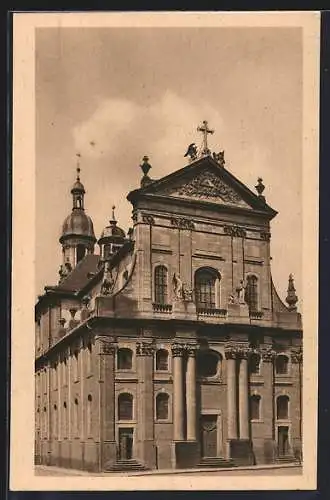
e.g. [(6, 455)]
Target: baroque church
[(170, 347)]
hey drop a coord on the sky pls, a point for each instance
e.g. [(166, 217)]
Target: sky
[(116, 94)]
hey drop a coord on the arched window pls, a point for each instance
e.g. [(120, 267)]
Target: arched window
[(162, 360), (281, 364), (254, 363), (89, 415), (251, 293), (125, 406), (124, 359), (80, 252), (160, 285), (255, 407), (208, 363), (282, 407), (162, 400), (205, 280)]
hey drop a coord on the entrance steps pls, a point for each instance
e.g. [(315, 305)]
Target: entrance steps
[(216, 462), (286, 459), (127, 465)]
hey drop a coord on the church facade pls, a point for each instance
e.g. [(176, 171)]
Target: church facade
[(171, 348)]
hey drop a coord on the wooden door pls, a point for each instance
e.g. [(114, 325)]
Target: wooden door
[(209, 435), (125, 444), (283, 440)]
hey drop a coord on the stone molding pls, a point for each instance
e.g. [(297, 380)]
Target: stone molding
[(145, 349), (107, 345), (178, 350), (296, 355), (236, 350)]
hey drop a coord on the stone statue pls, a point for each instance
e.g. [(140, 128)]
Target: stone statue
[(219, 157), (241, 292), (187, 293), (108, 281), (177, 286), (65, 270), (191, 151), (232, 299)]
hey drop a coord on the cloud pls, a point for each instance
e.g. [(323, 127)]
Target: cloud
[(162, 130)]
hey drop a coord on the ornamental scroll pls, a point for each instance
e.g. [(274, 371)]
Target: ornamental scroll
[(182, 223), (236, 231), (107, 345)]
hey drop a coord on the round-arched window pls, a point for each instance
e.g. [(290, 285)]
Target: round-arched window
[(208, 363), (205, 279)]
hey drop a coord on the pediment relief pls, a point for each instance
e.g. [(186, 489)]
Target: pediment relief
[(207, 186)]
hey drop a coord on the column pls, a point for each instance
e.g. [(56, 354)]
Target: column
[(145, 404), (106, 351), (243, 394), (191, 393), (231, 394), (178, 408), (268, 410)]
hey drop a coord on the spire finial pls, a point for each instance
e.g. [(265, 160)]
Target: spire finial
[(113, 220), (291, 298), (78, 155)]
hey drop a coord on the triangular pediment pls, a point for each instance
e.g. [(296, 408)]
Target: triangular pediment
[(205, 181), (206, 185)]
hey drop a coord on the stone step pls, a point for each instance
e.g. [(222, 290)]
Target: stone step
[(216, 462), (286, 459), (127, 465)]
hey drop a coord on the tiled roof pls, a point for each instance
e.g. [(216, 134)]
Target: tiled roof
[(78, 278)]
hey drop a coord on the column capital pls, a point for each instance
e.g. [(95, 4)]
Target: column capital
[(296, 355), (178, 350), (191, 350), (268, 354), (237, 350), (107, 345), (145, 349)]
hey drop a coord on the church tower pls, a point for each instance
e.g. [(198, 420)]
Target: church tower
[(77, 238)]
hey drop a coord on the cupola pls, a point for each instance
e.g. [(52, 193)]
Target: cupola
[(112, 238)]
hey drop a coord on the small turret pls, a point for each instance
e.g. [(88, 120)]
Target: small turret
[(112, 238)]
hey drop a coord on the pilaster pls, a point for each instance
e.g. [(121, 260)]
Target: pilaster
[(106, 350)]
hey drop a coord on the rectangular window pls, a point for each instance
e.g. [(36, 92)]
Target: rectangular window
[(161, 285)]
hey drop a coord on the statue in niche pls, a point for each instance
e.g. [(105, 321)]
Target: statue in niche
[(108, 281)]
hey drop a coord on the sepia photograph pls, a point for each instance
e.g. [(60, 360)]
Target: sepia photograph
[(165, 189)]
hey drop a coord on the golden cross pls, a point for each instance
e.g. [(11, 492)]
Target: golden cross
[(205, 130)]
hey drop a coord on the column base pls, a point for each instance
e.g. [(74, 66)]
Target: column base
[(186, 454), (241, 451)]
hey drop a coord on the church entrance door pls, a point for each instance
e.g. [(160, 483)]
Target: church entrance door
[(125, 443), (283, 440), (209, 435)]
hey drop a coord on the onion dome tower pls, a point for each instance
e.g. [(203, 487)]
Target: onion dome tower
[(112, 238), (77, 238)]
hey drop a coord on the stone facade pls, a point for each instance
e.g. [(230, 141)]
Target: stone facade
[(175, 363)]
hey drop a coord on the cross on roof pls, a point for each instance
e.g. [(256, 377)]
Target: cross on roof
[(205, 130)]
